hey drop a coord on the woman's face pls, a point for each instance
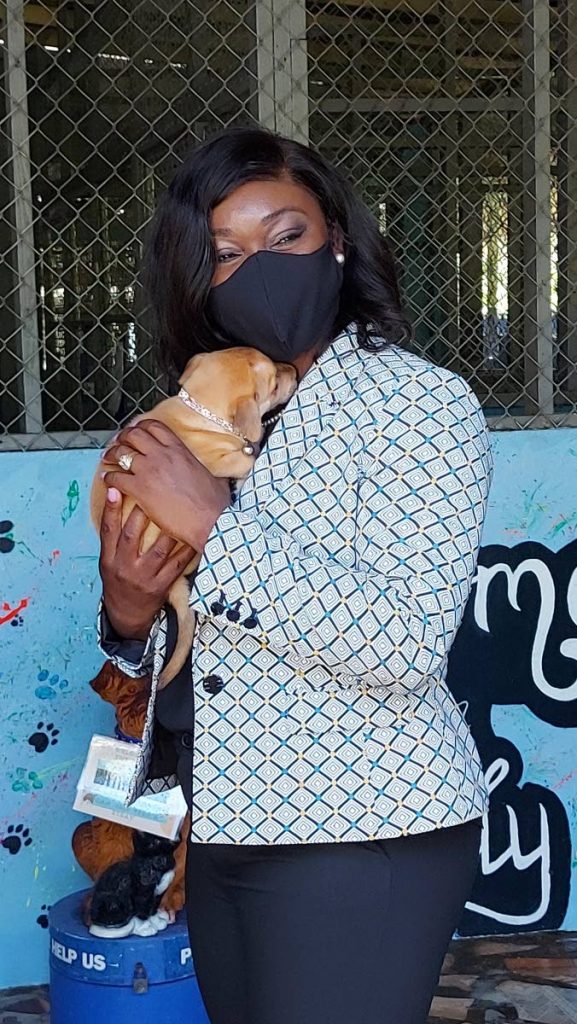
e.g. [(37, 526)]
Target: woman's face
[(276, 215)]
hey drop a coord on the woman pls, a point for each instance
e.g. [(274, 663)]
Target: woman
[(335, 789)]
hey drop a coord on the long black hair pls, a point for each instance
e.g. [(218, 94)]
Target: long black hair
[(180, 261)]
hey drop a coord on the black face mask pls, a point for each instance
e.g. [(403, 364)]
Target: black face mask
[(280, 303)]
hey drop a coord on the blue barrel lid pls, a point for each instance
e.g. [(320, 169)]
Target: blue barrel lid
[(80, 955)]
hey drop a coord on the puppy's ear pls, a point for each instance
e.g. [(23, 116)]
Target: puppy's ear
[(247, 418)]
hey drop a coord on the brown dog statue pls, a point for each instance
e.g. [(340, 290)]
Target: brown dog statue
[(98, 844)]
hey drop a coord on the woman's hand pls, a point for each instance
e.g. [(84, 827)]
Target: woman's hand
[(135, 586), (174, 490), (167, 482)]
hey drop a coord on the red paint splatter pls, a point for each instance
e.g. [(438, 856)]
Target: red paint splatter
[(564, 780), (12, 612)]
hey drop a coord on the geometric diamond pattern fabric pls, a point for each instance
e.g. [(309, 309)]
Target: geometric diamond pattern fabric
[(327, 601)]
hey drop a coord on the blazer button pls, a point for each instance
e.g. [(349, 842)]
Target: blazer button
[(213, 684), (187, 740)]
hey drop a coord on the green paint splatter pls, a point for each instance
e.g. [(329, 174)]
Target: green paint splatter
[(532, 512), (73, 495), (564, 523), (21, 544), (26, 782), (58, 769), (533, 509)]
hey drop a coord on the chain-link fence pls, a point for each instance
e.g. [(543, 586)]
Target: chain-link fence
[(456, 120)]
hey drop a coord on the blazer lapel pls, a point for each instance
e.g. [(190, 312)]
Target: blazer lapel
[(324, 389)]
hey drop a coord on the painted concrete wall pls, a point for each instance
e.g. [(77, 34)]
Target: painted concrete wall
[(514, 662)]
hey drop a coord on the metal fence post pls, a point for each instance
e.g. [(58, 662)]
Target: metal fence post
[(537, 209), (17, 101), (283, 102), (567, 201)]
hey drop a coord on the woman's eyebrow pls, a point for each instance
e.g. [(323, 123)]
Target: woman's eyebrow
[(227, 232), (278, 213)]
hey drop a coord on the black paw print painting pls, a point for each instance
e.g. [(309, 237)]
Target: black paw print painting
[(45, 736), (42, 918), (16, 838), (6, 539)]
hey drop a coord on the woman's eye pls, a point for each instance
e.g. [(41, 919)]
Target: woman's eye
[(224, 257), (291, 236)]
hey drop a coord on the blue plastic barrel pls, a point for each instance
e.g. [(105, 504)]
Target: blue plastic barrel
[(147, 980)]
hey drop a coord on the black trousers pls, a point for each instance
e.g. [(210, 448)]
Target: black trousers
[(327, 933)]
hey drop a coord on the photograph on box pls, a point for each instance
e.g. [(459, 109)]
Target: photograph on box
[(103, 787)]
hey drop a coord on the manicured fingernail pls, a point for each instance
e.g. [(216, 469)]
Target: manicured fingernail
[(113, 495)]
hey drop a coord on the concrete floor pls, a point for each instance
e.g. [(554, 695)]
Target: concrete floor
[(530, 979)]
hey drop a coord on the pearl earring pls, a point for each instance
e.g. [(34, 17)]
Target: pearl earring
[(340, 258)]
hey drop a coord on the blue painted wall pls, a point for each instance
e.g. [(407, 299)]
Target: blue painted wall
[(47, 656), (48, 594)]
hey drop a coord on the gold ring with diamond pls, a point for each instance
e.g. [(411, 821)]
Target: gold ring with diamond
[(125, 461)]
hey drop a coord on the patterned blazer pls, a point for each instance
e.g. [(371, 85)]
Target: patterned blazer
[(327, 601)]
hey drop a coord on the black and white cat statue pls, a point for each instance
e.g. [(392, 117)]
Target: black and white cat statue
[(126, 897)]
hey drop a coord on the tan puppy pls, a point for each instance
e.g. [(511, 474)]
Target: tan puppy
[(236, 386)]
